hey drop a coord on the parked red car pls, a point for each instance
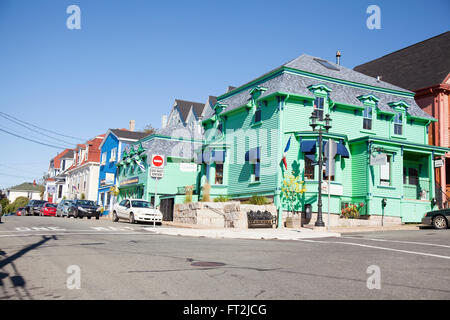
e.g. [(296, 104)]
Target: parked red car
[(19, 211), (48, 209)]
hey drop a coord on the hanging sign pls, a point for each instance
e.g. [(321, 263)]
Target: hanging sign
[(438, 163), (378, 160)]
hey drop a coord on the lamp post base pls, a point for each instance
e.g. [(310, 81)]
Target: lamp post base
[(319, 224)]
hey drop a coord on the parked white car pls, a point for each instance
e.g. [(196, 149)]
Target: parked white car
[(136, 210)]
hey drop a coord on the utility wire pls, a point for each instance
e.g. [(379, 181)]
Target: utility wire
[(45, 144), (37, 131), (17, 169), (59, 134), (16, 176), (42, 140)]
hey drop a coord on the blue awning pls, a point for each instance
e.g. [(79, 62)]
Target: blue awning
[(308, 146), (311, 157), (218, 156), (342, 150), (199, 158), (207, 157)]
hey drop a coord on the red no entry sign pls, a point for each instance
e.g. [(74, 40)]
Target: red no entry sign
[(157, 161)]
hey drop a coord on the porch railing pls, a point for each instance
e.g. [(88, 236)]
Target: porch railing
[(442, 199)]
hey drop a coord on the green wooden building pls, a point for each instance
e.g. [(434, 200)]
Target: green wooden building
[(247, 131)]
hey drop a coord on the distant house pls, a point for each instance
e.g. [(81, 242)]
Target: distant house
[(424, 68), (28, 190), (111, 148), (55, 186), (82, 176)]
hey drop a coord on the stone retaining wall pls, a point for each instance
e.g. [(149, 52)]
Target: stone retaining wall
[(230, 214)]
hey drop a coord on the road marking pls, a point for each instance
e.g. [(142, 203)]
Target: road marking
[(400, 241), (21, 229), (70, 233), (380, 248)]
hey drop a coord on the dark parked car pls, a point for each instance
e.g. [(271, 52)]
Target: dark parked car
[(83, 208), (34, 207), (438, 218)]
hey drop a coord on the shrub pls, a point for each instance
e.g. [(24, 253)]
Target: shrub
[(19, 202), (221, 199), (206, 190), (4, 203), (188, 191), (83, 196), (258, 200)]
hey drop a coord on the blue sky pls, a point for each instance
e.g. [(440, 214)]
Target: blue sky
[(132, 58)]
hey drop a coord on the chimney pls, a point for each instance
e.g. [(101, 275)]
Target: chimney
[(164, 121), (378, 78), (338, 57), (132, 123)]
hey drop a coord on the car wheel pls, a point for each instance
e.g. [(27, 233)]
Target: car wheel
[(439, 222), (89, 218), (131, 218), (97, 217), (115, 217)]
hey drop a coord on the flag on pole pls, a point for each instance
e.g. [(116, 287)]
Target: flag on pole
[(288, 145), (140, 164)]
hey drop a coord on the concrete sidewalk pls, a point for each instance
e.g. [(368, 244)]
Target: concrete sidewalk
[(231, 233)]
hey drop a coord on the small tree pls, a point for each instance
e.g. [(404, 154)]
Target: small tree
[(149, 129), (291, 190), (18, 203), (83, 196)]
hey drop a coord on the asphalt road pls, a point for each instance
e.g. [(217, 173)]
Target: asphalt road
[(123, 261)]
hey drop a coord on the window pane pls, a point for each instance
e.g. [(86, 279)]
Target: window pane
[(367, 124), (413, 177), (258, 115), (385, 173), (219, 173), (398, 129), (309, 169)]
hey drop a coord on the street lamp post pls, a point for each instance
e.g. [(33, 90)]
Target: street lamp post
[(327, 125)]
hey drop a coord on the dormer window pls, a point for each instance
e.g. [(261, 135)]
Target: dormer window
[(367, 118), (320, 92), (257, 116), (400, 108), (319, 103), (398, 123), (370, 103)]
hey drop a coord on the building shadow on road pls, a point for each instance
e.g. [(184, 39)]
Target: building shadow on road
[(17, 281)]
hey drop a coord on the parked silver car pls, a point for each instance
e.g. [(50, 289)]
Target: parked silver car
[(61, 209)]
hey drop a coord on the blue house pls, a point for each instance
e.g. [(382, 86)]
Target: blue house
[(111, 148)]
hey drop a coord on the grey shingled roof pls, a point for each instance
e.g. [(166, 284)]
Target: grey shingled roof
[(298, 84), (170, 148), (418, 66), (126, 134), (26, 186), (185, 106)]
